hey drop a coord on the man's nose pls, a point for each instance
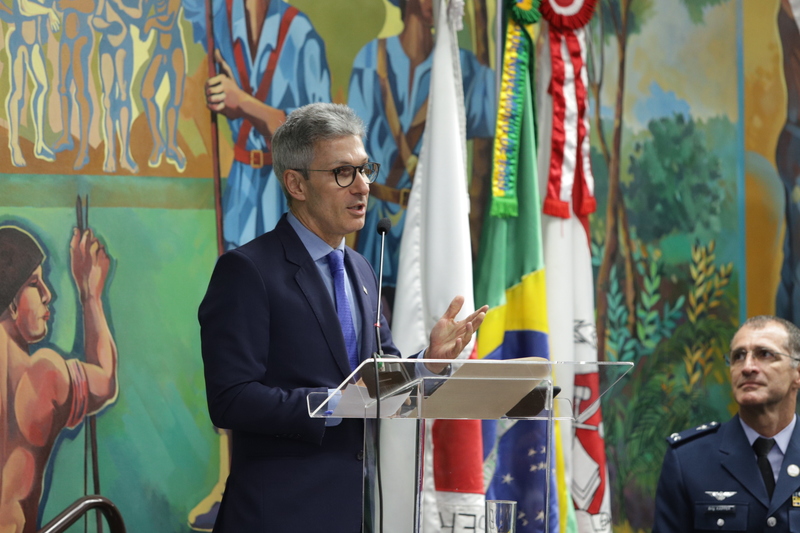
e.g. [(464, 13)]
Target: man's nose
[(360, 184), (749, 364)]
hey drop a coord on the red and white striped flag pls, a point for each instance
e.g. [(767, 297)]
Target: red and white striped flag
[(569, 171), (563, 116)]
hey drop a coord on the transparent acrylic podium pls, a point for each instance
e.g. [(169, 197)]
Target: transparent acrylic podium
[(420, 389)]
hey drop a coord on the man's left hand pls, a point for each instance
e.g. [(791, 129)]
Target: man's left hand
[(448, 336)]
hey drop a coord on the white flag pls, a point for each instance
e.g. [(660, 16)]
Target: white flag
[(435, 265)]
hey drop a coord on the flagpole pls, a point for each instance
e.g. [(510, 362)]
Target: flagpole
[(212, 71)]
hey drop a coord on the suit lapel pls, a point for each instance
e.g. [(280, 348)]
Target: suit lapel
[(739, 460), (787, 484), (312, 287)]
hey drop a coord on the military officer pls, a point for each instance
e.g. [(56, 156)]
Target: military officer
[(743, 475)]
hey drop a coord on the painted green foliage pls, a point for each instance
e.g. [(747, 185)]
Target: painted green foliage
[(665, 238), (685, 312), (678, 348), (675, 183)]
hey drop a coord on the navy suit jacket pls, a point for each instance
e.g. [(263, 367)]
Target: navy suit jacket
[(710, 481), (270, 336)]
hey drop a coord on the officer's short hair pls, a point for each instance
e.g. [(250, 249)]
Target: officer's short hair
[(792, 331)]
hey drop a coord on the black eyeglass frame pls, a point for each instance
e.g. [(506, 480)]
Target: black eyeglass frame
[(364, 170)]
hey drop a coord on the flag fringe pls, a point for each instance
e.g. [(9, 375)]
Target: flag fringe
[(516, 58)]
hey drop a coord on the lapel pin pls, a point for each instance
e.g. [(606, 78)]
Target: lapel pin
[(365, 289), (796, 499), (793, 470)]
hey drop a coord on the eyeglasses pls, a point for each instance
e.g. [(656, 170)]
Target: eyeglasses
[(760, 356), (345, 175)]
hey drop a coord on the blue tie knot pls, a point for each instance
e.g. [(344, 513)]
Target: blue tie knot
[(336, 262)]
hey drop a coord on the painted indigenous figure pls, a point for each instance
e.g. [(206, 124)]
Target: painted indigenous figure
[(41, 393), (113, 20), (75, 48), (272, 61), (168, 60), (25, 48), (389, 88)]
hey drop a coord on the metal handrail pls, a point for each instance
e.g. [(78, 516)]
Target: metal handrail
[(74, 512)]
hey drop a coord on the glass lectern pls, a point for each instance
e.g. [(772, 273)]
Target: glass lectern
[(420, 389)]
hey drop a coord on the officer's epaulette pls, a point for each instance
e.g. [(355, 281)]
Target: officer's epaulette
[(676, 439)]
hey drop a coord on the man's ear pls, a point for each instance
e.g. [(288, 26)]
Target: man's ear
[(295, 184), (796, 379)]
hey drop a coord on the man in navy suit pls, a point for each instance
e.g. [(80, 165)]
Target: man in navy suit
[(743, 475), (273, 331)]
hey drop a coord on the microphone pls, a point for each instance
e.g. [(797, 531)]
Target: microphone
[(387, 376), (384, 378), (384, 225)]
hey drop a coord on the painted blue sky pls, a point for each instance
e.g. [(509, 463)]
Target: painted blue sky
[(659, 104)]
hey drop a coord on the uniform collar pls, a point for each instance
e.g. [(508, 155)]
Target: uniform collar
[(781, 439)]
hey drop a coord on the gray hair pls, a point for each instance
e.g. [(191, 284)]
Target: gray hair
[(792, 332), (294, 141)]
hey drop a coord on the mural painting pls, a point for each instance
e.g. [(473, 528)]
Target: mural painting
[(285, 67), (108, 98), (24, 47), (44, 392), (667, 239), (787, 161), (389, 87), (94, 96)]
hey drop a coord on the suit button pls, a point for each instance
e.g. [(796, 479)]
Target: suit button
[(720, 522), (771, 521), (360, 455)]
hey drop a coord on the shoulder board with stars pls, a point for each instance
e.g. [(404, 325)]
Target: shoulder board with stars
[(676, 439)]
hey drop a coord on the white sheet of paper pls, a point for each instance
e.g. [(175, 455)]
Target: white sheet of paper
[(354, 397), (485, 391)]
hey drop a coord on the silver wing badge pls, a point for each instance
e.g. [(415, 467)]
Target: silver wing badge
[(720, 495)]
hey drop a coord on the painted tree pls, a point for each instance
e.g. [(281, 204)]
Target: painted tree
[(684, 312), (619, 21), (676, 183)]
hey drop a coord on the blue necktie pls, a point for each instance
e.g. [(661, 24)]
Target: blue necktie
[(336, 264)]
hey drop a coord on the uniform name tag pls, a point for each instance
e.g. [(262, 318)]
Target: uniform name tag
[(796, 499), (728, 509)]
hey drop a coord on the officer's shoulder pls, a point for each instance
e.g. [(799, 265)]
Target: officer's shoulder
[(688, 435)]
